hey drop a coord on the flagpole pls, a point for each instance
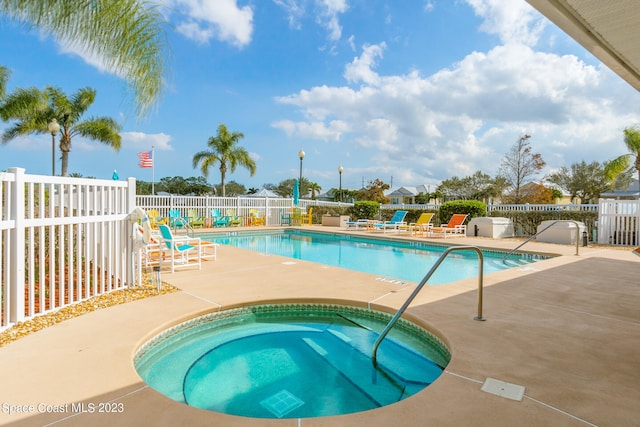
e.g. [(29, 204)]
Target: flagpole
[(153, 170)]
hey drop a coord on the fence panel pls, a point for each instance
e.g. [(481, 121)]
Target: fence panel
[(619, 222), (63, 240)]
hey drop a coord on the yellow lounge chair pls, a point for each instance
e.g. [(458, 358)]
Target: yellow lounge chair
[(307, 218), (155, 218), (422, 225), (256, 219)]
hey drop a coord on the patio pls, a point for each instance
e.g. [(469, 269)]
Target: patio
[(566, 329)]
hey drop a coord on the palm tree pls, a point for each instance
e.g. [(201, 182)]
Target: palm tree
[(127, 35), (629, 160), (33, 110), (223, 150), (314, 188), (4, 76)]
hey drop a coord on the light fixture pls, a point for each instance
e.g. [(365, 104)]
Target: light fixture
[(301, 156), (340, 169), (54, 128)]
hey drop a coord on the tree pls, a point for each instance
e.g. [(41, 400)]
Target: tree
[(232, 188), (478, 186), (4, 77), (518, 165), (33, 109), (627, 161), (586, 181), (178, 185), (223, 149), (127, 35), (314, 188), (374, 191)]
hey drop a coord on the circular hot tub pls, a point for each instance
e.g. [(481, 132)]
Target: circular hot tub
[(291, 361)]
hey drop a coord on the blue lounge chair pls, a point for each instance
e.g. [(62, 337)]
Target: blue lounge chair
[(176, 220), (393, 224), (183, 251), (219, 220)]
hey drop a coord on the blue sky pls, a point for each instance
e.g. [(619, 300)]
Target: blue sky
[(410, 92)]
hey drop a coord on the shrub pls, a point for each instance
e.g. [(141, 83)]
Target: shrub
[(365, 210), (474, 208)]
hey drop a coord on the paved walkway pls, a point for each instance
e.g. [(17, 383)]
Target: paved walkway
[(566, 329)]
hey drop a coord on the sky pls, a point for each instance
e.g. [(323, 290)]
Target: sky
[(411, 92)]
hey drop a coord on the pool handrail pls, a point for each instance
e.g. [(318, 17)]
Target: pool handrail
[(504, 258), (418, 288)]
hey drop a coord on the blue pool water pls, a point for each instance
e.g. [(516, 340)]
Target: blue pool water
[(393, 259), (291, 361)]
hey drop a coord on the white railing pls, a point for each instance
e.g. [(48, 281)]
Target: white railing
[(503, 208), (64, 240), (272, 207), (619, 222), (543, 208)]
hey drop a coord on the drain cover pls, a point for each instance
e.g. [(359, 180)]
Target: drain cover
[(503, 389), (281, 403)]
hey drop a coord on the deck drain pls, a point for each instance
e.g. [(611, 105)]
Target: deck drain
[(281, 403), (503, 389)]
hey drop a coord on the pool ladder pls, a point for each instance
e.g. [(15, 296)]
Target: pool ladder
[(418, 288)]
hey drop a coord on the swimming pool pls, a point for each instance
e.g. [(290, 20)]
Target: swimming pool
[(401, 260), (291, 361)]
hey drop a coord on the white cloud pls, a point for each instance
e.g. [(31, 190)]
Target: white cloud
[(144, 141), (313, 130), (294, 9), (360, 69), (328, 17), (202, 20), (465, 118), (513, 21)]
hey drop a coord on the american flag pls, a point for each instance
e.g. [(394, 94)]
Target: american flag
[(145, 159)]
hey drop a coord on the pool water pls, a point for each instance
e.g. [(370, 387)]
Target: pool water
[(401, 260), (291, 361)]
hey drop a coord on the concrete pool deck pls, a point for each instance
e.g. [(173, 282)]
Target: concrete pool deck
[(567, 329)]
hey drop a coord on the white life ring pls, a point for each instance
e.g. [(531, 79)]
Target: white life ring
[(140, 233)]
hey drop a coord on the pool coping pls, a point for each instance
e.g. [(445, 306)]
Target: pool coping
[(563, 305)]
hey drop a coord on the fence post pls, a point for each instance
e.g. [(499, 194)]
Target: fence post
[(17, 247), (133, 274)]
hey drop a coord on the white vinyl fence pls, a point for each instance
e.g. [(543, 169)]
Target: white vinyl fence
[(272, 207), (619, 222), (63, 240)]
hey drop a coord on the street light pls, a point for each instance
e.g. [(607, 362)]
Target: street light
[(54, 128), (301, 155), (340, 169)]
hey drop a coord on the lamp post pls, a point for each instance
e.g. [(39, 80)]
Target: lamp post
[(53, 127), (340, 169), (301, 155)]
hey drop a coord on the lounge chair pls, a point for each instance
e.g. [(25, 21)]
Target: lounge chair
[(234, 219), (256, 219), (176, 220), (307, 218), (182, 251), (217, 219), (455, 226), (195, 220), (291, 216), (396, 221), (360, 224), (422, 225)]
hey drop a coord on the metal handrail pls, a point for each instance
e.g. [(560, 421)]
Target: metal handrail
[(415, 292), (504, 258)]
